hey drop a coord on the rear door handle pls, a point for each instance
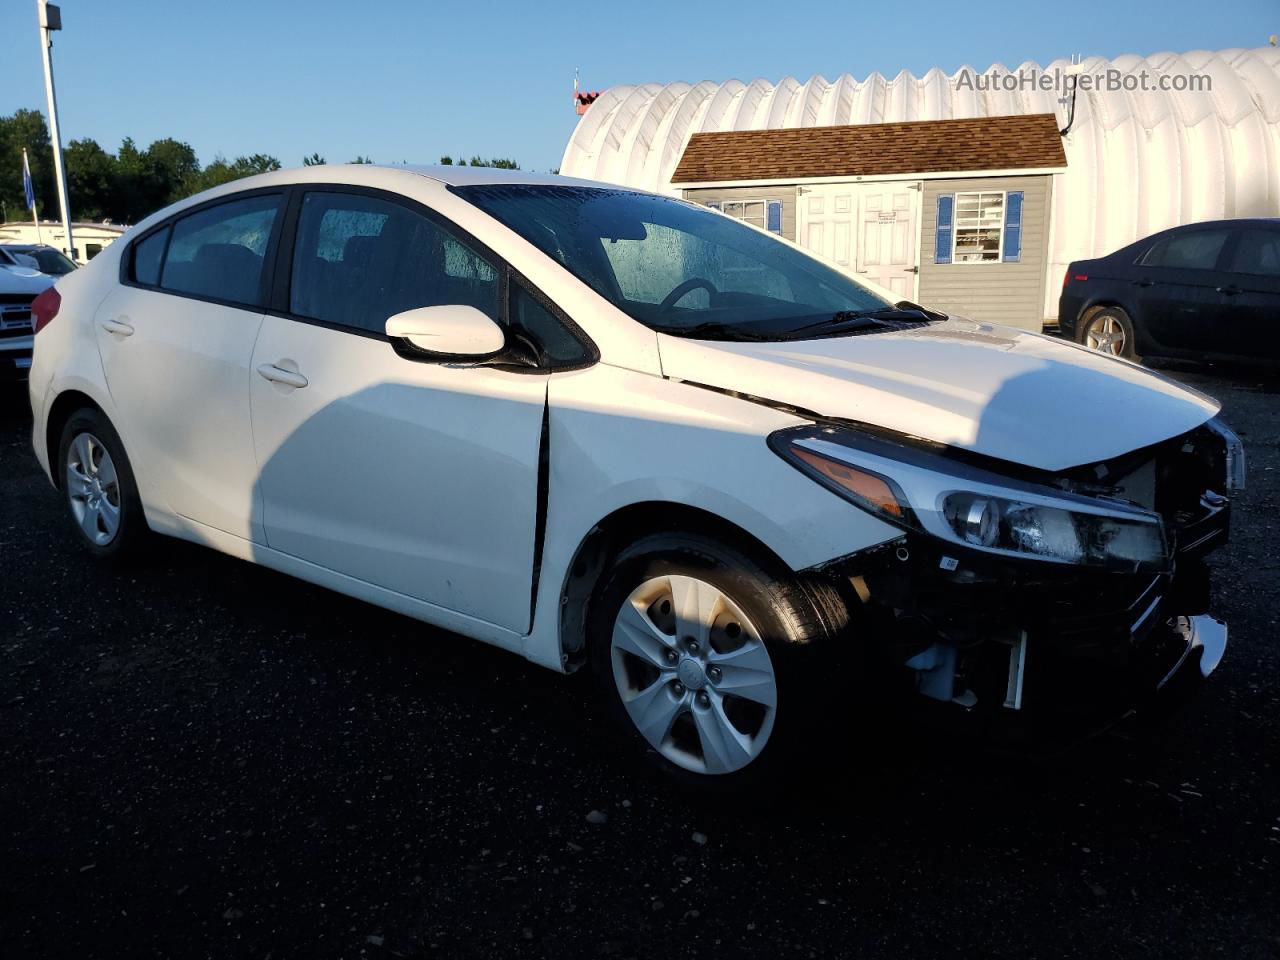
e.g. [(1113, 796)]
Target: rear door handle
[(1144, 283), (118, 327), (290, 378), (1230, 290)]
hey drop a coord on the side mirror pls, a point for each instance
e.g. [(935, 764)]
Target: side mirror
[(449, 332)]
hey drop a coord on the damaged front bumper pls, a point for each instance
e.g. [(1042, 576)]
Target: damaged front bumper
[(1047, 649)]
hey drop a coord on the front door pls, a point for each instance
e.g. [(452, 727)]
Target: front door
[(868, 228), (175, 342), (418, 477), (1250, 324)]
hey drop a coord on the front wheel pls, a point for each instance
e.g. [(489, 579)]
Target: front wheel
[(712, 664)]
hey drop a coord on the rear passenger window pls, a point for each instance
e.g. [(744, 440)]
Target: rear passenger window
[(359, 260), (1197, 250), (147, 256), (220, 252), (1257, 253)]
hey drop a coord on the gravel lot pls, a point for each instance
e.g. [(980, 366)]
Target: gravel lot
[(203, 758)]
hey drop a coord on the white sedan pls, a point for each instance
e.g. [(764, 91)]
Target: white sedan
[(604, 428)]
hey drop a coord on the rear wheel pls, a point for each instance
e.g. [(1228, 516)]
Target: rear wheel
[(1110, 331), (711, 663), (98, 488)]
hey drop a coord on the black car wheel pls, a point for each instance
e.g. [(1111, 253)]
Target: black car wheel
[(716, 666)]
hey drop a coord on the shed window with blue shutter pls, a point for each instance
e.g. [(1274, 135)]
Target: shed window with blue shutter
[(946, 217), (1013, 226), (774, 219)]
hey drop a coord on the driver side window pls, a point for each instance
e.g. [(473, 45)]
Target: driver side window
[(359, 260)]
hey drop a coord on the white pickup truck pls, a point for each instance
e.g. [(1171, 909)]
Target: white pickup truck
[(20, 282)]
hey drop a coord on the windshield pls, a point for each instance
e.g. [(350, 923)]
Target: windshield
[(51, 261), (47, 259), (678, 267)]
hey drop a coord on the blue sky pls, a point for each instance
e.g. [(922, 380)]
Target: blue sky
[(410, 81)]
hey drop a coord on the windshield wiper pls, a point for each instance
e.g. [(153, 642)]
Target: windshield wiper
[(712, 331), (865, 319)]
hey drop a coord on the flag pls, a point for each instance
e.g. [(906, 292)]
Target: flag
[(27, 188)]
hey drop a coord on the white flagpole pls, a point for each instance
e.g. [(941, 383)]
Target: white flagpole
[(35, 210), (50, 20)]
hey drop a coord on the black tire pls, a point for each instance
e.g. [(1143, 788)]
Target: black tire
[(801, 627), (1121, 319), (132, 535)]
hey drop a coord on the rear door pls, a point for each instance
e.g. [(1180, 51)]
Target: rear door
[(1177, 281), (417, 477), (1251, 292), (176, 337)]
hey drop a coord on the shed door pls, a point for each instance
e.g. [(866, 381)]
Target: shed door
[(869, 228)]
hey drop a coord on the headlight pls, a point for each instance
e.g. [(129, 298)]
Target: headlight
[(1235, 471), (972, 507)]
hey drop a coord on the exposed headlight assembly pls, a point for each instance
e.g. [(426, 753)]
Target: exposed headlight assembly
[(972, 507), (1235, 469)]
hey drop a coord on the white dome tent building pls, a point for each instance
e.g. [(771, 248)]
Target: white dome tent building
[(951, 189)]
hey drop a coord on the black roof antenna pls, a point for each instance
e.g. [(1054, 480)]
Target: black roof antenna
[(1072, 72)]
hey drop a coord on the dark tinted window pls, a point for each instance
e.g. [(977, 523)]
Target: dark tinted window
[(675, 266), (555, 343), (359, 260), (147, 256), (220, 252), (50, 261), (1258, 252), (1196, 250)]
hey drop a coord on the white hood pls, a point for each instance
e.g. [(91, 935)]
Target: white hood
[(1005, 393), (23, 280)]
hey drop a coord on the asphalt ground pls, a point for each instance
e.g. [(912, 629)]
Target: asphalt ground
[(200, 758)]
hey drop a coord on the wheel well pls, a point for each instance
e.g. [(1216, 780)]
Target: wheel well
[(1088, 312), (623, 527), (66, 404)]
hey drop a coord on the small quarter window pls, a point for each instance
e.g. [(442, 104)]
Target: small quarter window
[(556, 344), (147, 256)]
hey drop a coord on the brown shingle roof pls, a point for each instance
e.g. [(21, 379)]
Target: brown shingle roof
[(874, 149)]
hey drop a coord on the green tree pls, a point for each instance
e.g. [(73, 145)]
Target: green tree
[(362, 159), (446, 161), (26, 128), (315, 160), (91, 180), (172, 166), (499, 163)]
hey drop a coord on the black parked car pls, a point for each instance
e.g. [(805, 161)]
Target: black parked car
[(1196, 291)]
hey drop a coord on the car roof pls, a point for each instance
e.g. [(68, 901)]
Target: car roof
[(1229, 222), (460, 176)]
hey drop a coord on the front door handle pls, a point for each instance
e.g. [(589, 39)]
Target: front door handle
[(290, 378), (118, 327), (1144, 283), (1230, 290)]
